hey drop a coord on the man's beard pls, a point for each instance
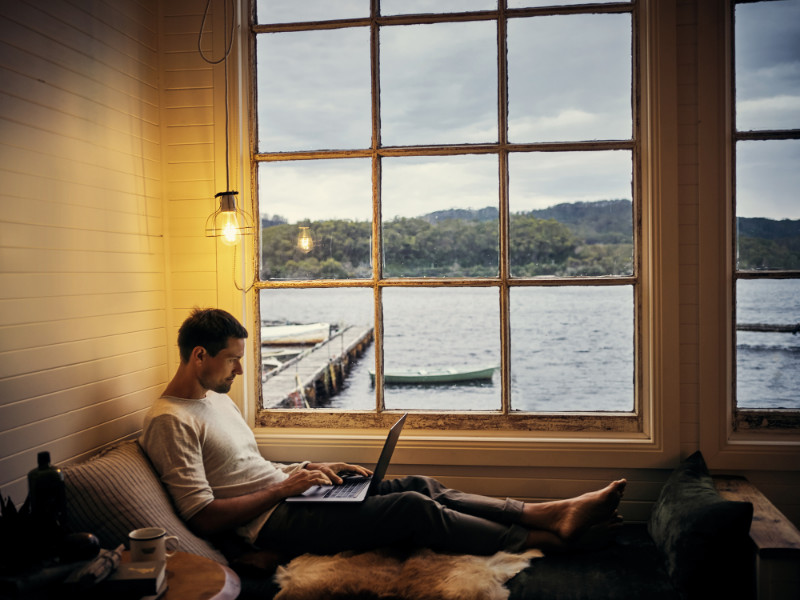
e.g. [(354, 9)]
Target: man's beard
[(223, 387)]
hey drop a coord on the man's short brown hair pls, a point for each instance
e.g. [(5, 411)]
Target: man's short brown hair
[(210, 328)]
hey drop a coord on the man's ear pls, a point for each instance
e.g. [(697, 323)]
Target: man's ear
[(198, 353)]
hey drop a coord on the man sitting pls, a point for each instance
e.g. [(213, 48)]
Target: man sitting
[(208, 458)]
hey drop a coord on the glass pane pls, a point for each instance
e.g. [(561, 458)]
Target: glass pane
[(569, 78), (316, 348), (539, 3), (571, 213), (768, 65), (438, 83), (415, 7), (332, 199), (440, 216), (289, 11), (314, 90), (767, 355), (441, 332), (572, 349), (767, 210)]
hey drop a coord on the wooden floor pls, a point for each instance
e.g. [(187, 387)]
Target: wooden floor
[(317, 372)]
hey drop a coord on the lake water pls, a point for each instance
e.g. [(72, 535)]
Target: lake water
[(768, 364), (572, 347)]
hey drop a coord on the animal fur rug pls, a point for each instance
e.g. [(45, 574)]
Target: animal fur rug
[(422, 575)]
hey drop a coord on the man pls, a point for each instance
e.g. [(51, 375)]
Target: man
[(209, 461)]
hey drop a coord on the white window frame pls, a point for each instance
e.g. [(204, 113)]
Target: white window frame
[(288, 434), (724, 445)]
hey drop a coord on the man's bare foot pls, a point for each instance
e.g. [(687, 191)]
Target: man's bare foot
[(570, 518), (547, 541)]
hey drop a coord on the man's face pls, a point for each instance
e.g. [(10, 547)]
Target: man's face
[(218, 372)]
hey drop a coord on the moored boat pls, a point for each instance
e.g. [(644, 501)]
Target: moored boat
[(427, 376), (306, 333)]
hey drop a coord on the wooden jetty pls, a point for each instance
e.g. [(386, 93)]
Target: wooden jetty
[(316, 373), (795, 328)]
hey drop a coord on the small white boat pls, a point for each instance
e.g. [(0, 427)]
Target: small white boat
[(307, 333), (436, 375)]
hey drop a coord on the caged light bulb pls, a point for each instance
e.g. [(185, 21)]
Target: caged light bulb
[(230, 228), (228, 222)]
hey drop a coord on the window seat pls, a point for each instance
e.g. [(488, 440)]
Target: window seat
[(697, 543)]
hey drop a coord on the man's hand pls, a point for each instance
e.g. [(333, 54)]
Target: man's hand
[(299, 481), (226, 513), (333, 469)]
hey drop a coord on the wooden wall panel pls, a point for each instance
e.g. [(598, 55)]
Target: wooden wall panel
[(83, 285)]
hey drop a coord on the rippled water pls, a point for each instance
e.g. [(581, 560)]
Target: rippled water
[(572, 347), (768, 363)]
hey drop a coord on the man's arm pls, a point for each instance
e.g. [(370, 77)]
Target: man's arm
[(228, 513)]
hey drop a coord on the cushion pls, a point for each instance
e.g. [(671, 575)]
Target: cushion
[(628, 567), (702, 537), (117, 491)]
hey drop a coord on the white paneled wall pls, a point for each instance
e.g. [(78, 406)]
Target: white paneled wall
[(83, 339)]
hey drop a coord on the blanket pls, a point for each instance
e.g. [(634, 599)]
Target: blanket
[(422, 575)]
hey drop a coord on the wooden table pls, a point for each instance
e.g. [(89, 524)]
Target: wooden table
[(192, 577)]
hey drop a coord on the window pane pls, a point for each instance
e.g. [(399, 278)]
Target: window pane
[(767, 210), (571, 213), (440, 216), (438, 83), (768, 65), (437, 329), (333, 199), (412, 7), (314, 90), (572, 349), (332, 373), (288, 11), (767, 362), (569, 78)]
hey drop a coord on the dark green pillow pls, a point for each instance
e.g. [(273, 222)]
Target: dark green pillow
[(702, 537)]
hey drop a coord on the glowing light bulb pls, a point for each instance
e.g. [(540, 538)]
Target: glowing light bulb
[(305, 243), (230, 228)]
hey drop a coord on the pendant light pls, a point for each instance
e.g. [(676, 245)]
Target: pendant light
[(229, 222)]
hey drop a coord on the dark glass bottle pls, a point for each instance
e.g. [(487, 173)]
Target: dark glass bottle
[(47, 496)]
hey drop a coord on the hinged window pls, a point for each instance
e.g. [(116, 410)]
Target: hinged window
[(450, 212)]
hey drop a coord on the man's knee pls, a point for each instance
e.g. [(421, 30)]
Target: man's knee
[(422, 484)]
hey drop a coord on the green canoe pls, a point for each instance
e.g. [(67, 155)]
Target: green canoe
[(436, 375)]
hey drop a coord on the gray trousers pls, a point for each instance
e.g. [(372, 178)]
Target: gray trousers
[(412, 511)]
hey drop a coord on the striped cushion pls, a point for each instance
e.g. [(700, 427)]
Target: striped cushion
[(117, 491)]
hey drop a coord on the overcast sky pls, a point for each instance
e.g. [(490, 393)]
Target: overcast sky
[(439, 86)]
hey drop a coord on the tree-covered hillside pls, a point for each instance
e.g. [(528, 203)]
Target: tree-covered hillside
[(582, 238), (768, 244)]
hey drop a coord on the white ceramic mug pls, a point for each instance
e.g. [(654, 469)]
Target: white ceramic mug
[(150, 543)]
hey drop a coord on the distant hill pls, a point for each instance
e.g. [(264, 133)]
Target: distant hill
[(602, 222), (768, 229), (611, 221), (581, 238), (465, 214), (768, 244), (267, 221)]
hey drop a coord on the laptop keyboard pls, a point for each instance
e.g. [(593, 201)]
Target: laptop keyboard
[(346, 489)]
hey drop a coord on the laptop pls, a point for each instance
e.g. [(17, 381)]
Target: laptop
[(357, 487)]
